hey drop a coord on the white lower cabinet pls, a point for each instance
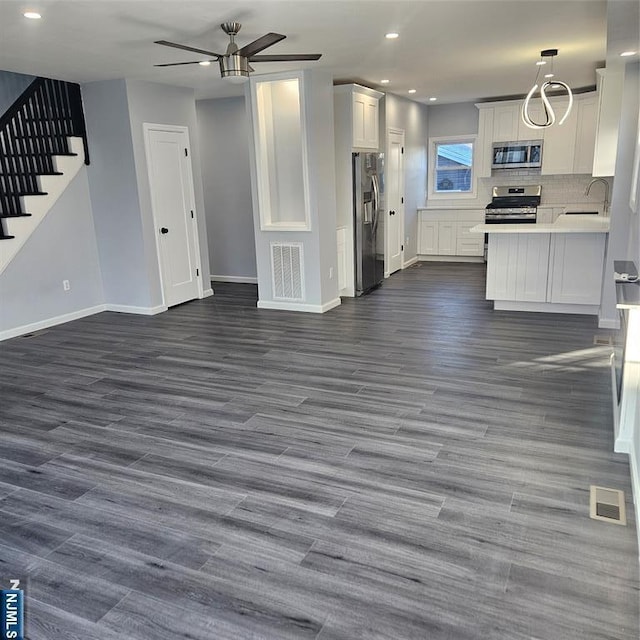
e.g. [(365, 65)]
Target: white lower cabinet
[(518, 266), (447, 238), (576, 268), (557, 268), (446, 233)]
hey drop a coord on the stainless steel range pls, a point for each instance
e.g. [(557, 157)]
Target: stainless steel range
[(513, 205)]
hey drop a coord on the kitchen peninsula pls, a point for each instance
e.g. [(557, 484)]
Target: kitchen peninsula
[(554, 268)]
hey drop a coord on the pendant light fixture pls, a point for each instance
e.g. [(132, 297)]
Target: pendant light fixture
[(549, 83)]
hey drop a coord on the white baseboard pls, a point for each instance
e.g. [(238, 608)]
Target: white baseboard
[(143, 311), (51, 322), (635, 484), (608, 323), (304, 308), (424, 258), (545, 307), (238, 279), (207, 292), (409, 262)]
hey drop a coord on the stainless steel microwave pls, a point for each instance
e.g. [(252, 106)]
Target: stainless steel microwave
[(524, 154)]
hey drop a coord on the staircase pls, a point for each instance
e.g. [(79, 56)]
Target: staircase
[(43, 144)]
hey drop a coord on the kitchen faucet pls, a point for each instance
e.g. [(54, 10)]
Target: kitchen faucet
[(606, 193)]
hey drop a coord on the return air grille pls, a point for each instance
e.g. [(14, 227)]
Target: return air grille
[(607, 505), (287, 271)]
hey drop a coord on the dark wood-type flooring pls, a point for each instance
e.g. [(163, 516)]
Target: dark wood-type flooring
[(409, 465)]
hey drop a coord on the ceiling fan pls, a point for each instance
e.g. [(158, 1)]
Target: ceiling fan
[(234, 64)]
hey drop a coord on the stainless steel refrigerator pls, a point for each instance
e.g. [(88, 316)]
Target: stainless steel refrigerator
[(368, 206)]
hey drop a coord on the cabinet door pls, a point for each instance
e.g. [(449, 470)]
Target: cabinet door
[(536, 112), (483, 142), (467, 243), (587, 111), (505, 123), (428, 239), (447, 232), (576, 276), (365, 121), (559, 147), (517, 267)]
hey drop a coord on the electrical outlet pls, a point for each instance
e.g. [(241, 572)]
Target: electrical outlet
[(66, 285)]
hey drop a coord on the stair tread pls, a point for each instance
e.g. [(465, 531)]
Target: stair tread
[(14, 215), (40, 155), (32, 193), (32, 173), (7, 237)]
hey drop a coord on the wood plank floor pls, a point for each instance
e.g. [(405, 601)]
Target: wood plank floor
[(409, 465)]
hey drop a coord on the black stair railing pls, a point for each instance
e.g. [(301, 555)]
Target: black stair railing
[(34, 129)]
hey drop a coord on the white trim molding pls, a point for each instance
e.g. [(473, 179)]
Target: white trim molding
[(51, 322), (207, 293), (305, 308), (410, 262), (142, 311), (238, 279)]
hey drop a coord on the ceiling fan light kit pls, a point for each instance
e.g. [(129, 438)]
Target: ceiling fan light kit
[(235, 62), (549, 113)]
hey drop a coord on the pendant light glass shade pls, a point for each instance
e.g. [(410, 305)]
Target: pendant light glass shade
[(549, 113)]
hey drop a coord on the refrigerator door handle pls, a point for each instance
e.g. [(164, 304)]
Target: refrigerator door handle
[(376, 201)]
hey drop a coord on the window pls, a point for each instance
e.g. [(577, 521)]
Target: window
[(451, 168)]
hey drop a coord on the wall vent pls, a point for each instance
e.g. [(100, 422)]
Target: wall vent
[(603, 341), (287, 271), (607, 505)]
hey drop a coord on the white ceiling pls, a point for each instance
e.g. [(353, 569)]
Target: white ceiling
[(456, 50)]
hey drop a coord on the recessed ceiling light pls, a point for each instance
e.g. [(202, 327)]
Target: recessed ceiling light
[(205, 63), (384, 82), (541, 62), (624, 54), (432, 99), (411, 91), (32, 15), (391, 36)]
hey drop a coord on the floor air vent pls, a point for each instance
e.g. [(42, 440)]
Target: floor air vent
[(603, 341), (287, 271), (608, 505)]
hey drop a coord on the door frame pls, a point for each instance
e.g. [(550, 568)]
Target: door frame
[(147, 127), (387, 251)]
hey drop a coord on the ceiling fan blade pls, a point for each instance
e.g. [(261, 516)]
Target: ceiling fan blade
[(261, 43), (176, 64), (286, 58), (186, 48)]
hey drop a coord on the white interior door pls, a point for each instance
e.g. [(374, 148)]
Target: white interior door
[(395, 200), (172, 201)]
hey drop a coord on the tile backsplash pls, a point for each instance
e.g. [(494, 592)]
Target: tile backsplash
[(556, 190), (559, 190)]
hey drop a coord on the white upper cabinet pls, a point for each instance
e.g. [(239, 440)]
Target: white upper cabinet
[(364, 106), (505, 123), (559, 146), (585, 134), (566, 149), (610, 84)]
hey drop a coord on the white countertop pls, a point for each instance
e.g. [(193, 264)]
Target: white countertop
[(564, 224)]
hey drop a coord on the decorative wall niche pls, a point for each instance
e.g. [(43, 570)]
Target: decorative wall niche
[(281, 153)]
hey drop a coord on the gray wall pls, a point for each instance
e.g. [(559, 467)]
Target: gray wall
[(453, 119), (223, 131), (162, 104), (400, 113), (11, 86), (114, 194), (624, 240), (62, 247)]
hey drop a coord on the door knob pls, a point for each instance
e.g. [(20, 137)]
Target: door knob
[(164, 230)]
